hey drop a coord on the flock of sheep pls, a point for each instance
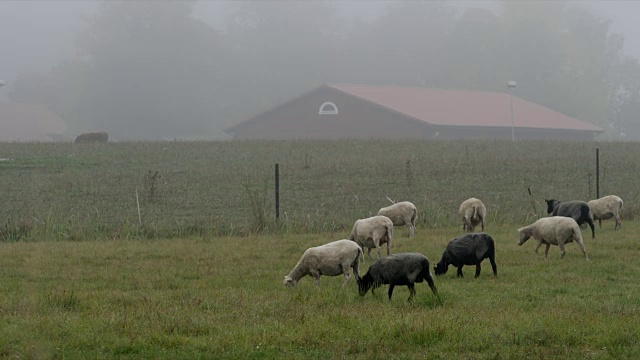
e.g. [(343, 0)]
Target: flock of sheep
[(406, 269)]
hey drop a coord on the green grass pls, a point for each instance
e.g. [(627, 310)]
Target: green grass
[(84, 192), (222, 297)]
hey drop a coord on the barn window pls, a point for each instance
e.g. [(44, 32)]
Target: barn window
[(328, 108)]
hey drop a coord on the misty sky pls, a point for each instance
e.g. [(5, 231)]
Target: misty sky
[(36, 35)]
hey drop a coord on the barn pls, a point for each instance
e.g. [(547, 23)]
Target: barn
[(29, 122), (343, 111)]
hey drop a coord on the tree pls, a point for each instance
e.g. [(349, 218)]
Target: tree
[(152, 72)]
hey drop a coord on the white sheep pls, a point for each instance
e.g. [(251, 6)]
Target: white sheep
[(554, 230), (373, 232), (331, 259), (402, 213), (473, 212), (606, 207)]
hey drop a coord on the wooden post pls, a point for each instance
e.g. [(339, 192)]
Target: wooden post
[(277, 193), (597, 173)]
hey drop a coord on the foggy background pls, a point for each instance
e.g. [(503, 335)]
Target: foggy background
[(188, 69)]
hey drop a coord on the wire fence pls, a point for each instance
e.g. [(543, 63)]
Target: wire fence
[(177, 189)]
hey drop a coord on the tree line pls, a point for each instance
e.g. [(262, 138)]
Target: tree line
[(151, 70)]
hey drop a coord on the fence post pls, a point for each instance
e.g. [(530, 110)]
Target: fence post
[(277, 193), (597, 173)]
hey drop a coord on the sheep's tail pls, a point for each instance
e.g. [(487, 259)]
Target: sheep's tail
[(361, 252), (621, 203)]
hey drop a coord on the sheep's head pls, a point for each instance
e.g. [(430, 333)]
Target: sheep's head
[(551, 204), (441, 268), (363, 285), (524, 235), (289, 281)]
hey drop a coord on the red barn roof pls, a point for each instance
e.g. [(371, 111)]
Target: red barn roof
[(464, 108)]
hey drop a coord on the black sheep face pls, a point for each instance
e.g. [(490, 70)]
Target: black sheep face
[(550, 205), (363, 286), (441, 268)]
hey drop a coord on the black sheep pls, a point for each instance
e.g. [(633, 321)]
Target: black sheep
[(469, 249), (576, 209), (398, 269)]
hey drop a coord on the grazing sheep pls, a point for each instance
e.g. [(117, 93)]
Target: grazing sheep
[(576, 209), (373, 232), (606, 207), (469, 249), (473, 212), (402, 213), (331, 259), (398, 269), (92, 137), (554, 230)]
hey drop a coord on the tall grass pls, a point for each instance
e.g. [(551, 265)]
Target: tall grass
[(77, 192), (222, 297)]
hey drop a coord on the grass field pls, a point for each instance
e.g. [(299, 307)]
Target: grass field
[(222, 297), (197, 273), (84, 192)]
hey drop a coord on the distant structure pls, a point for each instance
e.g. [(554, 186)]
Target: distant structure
[(100, 137), (340, 111), (29, 122)]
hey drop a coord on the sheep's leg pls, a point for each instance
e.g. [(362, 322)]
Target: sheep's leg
[(377, 244), (618, 222), (538, 247), (356, 270), (600, 223), (593, 229), (369, 253), (584, 251), (316, 275), (412, 291), (493, 265), (562, 251), (347, 275), (391, 290), (477, 269), (546, 251), (482, 225), (460, 274)]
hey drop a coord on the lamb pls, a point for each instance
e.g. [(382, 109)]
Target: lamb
[(576, 209), (473, 212), (606, 207), (373, 232), (398, 269), (554, 230), (469, 249), (331, 259), (402, 213)]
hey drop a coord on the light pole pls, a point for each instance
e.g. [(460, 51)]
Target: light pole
[(511, 85)]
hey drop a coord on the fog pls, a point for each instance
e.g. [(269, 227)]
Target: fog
[(188, 69)]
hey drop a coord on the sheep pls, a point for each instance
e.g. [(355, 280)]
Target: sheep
[(606, 207), (373, 232), (473, 212), (398, 269), (402, 213), (554, 230), (469, 249), (331, 259), (576, 209), (92, 137)]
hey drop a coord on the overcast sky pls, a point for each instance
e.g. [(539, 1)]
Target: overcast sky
[(36, 35)]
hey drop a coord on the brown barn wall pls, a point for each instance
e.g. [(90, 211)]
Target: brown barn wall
[(356, 118)]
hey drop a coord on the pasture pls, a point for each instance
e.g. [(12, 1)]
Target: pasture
[(170, 250), (222, 297), (93, 191)]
